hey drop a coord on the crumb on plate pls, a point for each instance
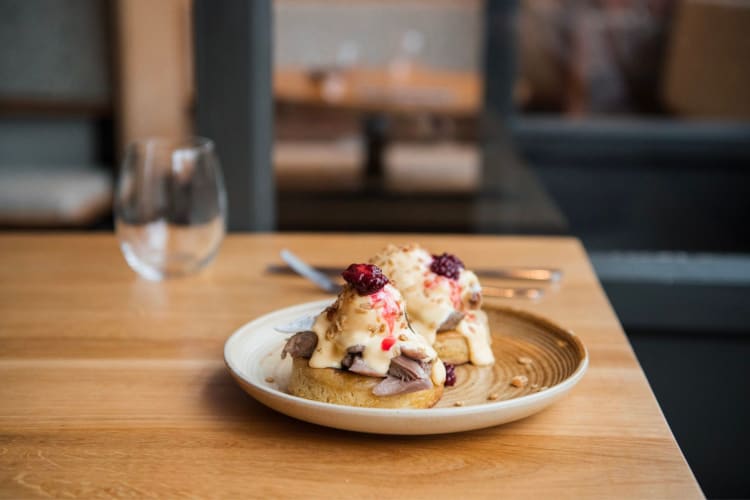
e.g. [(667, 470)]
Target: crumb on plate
[(519, 381)]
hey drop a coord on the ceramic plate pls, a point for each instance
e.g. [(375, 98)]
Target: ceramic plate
[(550, 357)]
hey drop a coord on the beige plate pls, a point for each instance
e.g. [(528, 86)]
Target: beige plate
[(552, 359)]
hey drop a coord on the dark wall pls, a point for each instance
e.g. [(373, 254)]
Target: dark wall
[(702, 382)]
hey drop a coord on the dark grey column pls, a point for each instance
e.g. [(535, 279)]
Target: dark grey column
[(234, 103), (511, 198), (501, 34)]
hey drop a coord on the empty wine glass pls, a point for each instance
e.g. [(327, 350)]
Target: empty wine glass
[(170, 206)]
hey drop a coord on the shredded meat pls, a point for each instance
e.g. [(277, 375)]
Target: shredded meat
[(407, 369), (390, 386), (359, 366), (301, 345), (404, 375), (451, 322), (354, 351)]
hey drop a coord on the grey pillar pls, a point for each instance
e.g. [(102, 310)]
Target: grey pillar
[(233, 42), (500, 47)]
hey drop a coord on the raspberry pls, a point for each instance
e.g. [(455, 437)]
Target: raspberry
[(447, 265), (365, 278), (450, 374)]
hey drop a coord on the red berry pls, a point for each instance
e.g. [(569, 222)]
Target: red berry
[(447, 265), (450, 374), (365, 278)]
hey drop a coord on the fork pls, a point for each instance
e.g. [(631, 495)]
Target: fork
[(327, 284)]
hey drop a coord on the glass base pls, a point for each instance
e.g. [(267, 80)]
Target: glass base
[(160, 250)]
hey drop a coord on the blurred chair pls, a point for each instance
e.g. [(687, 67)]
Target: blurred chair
[(708, 75), (330, 166), (56, 114), (57, 91), (432, 168), (53, 196)]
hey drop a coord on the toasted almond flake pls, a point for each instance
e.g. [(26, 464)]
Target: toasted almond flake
[(493, 397), (562, 343), (403, 338), (458, 403), (525, 360), (519, 381), (270, 380)]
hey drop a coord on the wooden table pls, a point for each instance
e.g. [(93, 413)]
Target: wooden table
[(420, 89), (380, 92), (112, 385)]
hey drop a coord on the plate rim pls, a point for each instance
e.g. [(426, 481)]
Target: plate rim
[(527, 399)]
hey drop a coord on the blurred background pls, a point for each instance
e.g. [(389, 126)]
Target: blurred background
[(623, 123)]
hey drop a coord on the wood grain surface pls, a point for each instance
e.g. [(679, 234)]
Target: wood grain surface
[(115, 386)]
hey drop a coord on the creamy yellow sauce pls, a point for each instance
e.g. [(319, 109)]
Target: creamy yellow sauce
[(432, 298), (377, 322), (475, 329)]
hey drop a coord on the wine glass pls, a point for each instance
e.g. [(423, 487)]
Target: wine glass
[(170, 206)]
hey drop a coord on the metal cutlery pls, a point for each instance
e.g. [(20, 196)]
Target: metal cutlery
[(324, 282), (538, 274)]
